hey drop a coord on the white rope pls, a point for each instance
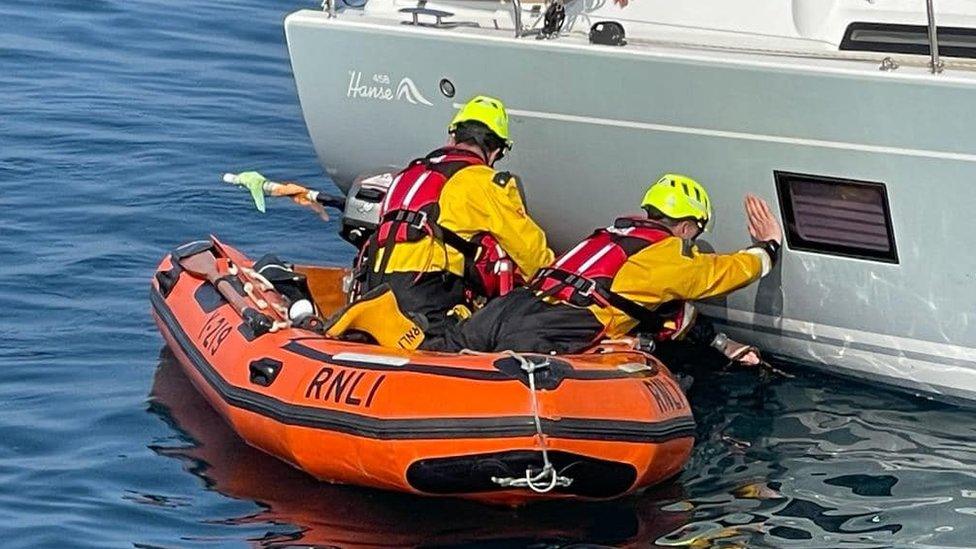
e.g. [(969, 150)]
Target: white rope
[(279, 325), (249, 290), (469, 352), (266, 286), (281, 309), (265, 283), (234, 270), (546, 479)]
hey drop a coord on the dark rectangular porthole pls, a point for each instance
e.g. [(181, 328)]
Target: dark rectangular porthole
[(836, 216), (914, 39)]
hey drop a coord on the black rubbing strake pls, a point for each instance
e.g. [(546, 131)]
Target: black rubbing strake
[(406, 429)]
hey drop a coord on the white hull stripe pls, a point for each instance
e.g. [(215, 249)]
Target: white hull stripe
[(881, 344), (860, 346), (689, 130), (945, 381)]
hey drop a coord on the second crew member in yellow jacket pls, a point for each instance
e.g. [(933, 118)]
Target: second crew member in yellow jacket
[(637, 275), (446, 219)]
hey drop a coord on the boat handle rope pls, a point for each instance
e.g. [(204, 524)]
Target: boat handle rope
[(266, 286), (249, 290), (265, 283), (248, 287), (547, 479)]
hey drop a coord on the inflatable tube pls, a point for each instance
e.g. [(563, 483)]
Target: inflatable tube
[(333, 515), (608, 423)]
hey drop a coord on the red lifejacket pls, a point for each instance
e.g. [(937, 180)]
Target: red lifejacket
[(410, 211), (411, 206), (584, 275)]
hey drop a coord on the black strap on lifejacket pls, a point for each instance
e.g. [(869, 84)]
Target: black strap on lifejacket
[(375, 277), (418, 220), (468, 249), (447, 169), (628, 222), (585, 290)]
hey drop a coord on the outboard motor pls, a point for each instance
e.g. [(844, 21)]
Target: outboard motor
[(364, 200)]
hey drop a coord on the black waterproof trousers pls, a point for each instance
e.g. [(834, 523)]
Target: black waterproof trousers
[(521, 322)]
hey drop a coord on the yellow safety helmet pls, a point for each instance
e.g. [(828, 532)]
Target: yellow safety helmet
[(679, 197), (487, 110)]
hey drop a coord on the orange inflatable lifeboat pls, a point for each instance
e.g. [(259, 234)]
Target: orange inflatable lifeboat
[(498, 428)]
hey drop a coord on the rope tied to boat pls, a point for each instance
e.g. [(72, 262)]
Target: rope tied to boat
[(548, 478), (266, 286), (247, 285)]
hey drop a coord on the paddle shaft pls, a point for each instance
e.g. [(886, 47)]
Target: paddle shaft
[(203, 265)]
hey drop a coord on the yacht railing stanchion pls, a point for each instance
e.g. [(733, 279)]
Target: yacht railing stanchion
[(330, 7), (517, 15), (936, 63)]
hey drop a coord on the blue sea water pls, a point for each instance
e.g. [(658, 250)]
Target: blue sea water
[(116, 119)]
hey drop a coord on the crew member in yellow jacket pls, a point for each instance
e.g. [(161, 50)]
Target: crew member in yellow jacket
[(448, 218), (640, 274)]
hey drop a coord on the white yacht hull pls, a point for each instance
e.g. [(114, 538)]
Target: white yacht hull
[(595, 125)]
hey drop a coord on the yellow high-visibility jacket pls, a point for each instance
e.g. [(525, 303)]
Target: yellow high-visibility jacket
[(673, 270), (475, 200)]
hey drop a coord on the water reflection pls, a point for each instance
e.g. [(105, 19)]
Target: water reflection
[(807, 462), (834, 463)]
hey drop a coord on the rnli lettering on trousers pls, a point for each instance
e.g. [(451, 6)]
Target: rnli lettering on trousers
[(378, 314)]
